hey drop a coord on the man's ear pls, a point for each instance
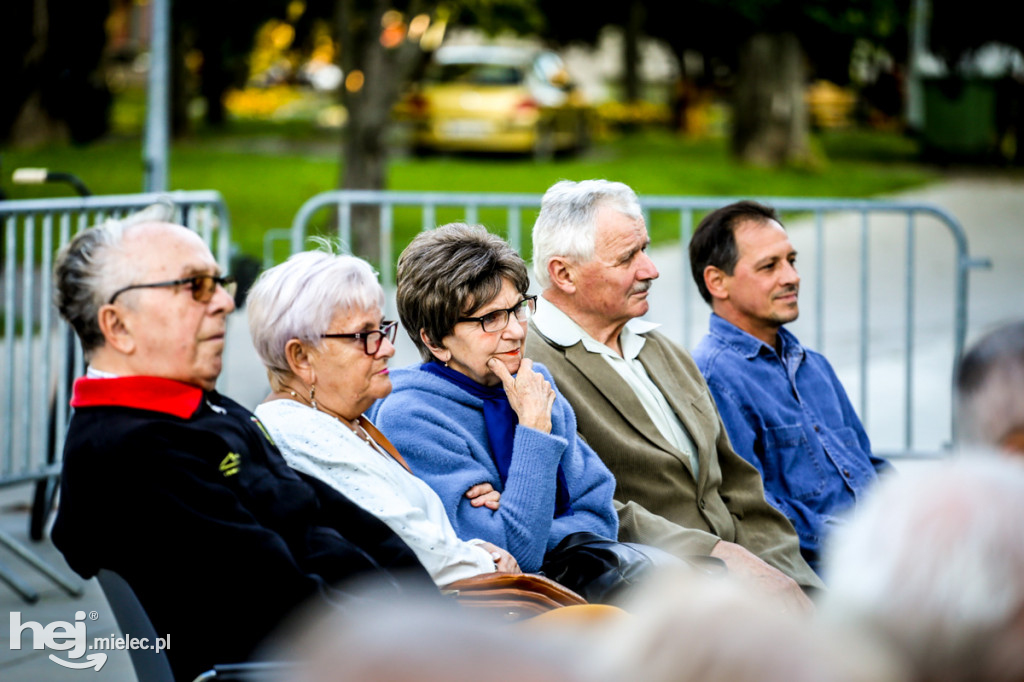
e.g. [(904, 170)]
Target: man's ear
[(116, 330), (440, 352), (561, 274), (715, 281)]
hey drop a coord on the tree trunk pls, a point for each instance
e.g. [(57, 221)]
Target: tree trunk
[(26, 121), (215, 78), (682, 92), (181, 86), (770, 120), (631, 52), (34, 126), (385, 71), (51, 73)]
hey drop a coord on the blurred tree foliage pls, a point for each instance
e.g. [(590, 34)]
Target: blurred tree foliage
[(959, 29), (383, 44), (50, 71), (575, 21), (770, 48), (53, 81), (211, 43), (53, 74), (781, 43)]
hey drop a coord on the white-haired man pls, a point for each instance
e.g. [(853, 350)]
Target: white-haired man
[(174, 487), (640, 401)]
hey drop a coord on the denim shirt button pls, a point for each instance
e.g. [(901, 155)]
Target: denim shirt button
[(846, 472)]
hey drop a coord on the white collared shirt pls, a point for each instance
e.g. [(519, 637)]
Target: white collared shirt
[(564, 331), (319, 445)]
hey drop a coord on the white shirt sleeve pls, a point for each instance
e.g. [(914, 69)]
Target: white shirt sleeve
[(319, 445)]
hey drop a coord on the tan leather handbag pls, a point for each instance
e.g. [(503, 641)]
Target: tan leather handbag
[(515, 596)]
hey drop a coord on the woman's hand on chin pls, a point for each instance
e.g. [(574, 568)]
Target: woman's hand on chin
[(529, 393)]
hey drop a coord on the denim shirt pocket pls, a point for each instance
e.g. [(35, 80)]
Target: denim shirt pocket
[(792, 463), (847, 436), (853, 464)]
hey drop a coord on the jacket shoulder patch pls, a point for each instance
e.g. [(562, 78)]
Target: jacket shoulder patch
[(231, 464)]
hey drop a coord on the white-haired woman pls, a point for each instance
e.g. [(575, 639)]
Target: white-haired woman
[(316, 321)]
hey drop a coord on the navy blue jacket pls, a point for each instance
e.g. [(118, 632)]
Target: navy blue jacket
[(184, 495)]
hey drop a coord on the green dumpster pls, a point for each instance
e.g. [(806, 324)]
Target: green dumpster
[(960, 117)]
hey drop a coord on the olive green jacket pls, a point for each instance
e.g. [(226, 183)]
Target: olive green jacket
[(653, 478)]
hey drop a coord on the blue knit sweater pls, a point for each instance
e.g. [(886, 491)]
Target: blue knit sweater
[(439, 429)]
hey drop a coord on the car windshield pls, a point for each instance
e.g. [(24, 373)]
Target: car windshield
[(475, 74)]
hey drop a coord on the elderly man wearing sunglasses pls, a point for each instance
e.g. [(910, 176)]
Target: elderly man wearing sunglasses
[(176, 488)]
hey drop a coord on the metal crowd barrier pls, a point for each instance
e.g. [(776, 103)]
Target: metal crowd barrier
[(39, 351), (869, 234)]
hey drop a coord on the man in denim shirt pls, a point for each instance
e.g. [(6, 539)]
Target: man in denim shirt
[(781, 403)]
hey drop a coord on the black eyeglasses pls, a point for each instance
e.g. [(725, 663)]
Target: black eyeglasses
[(497, 320), (201, 286), (371, 340)]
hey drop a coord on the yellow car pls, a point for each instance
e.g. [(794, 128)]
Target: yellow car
[(498, 99)]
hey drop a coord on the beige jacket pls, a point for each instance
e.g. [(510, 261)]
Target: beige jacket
[(653, 478)]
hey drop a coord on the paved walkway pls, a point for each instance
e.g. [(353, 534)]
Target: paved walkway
[(991, 211), (31, 665)]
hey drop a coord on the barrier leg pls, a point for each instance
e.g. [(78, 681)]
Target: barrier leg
[(38, 564), (23, 589)]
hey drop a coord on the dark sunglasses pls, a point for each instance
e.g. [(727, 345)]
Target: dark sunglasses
[(201, 286), (371, 340)]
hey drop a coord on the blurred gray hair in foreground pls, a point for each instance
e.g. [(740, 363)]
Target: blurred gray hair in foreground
[(934, 564), (425, 638), (687, 627), (990, 388)]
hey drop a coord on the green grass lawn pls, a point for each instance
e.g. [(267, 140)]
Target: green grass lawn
[(266, 173)]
